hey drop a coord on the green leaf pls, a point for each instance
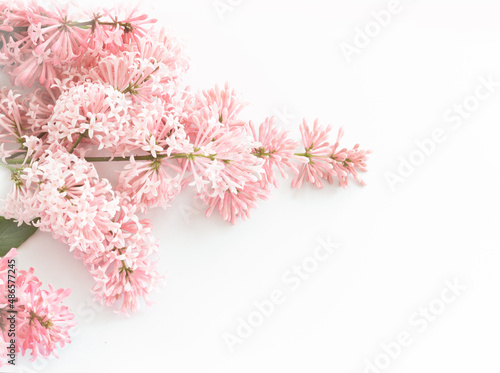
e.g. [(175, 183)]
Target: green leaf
[(12, 235)]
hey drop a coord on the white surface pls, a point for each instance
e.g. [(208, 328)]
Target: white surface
[(395, 248)]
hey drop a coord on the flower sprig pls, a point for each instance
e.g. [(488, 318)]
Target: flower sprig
[(111, 89)]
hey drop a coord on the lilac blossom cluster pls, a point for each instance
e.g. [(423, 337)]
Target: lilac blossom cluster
[(106, 86)]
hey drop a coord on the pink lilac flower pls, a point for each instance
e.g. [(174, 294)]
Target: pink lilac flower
[(317, 151), (352, 160), (222, 165), (50, 41), (34, 67), (56, 35), (12, 122), (326, 161), (134, 25), (155, 128), (277, 150), (152, 183), (237, 204), (4, 26), (221, 160), (40, 108), (113, 30), (93, 110), (221, 105), (13, 19), (42, 321), (43, 42), (33, 147), (66, 196), (163, 50), (140, 79), (125, 271)]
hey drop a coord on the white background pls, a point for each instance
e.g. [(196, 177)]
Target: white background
[(396, 248)]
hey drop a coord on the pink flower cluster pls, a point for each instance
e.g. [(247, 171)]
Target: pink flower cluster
[(42, 322), (327, 161), (62, 194), (109, 87)]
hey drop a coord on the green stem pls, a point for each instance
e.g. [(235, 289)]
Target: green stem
[(12, 169), (136, 157), (124, 267), (143, 157), (14, 161), (85, 24), (17, 154), (117, 159), (311, 156), (82, 135)]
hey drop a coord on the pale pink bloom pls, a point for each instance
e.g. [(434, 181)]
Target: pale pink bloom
[(221, 160), (4, 11), (156, 130), (338, 156), (99, 43), (126, 272), (327, 161), (114, 36), (13, 19), (44, 322), (127, 73), (225, 172), (237, 204), (135, 26), (125, 275), (352, 160), (317, 151), (66, 195), (55, 33), (155, 126), (112, 31), (164, 50), (33, 146), (50, 42), (12, 49), (152, 147), (347, 161), (12, 120), (277, 150), (16, 205), (102, 229), (94, 110), (35, 33), (53, 40), (35, 66), (217, 105), (151, 183), (40, 108)]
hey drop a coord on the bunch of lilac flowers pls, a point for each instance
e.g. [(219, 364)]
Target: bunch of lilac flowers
[(106, 86), (31, 318)]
